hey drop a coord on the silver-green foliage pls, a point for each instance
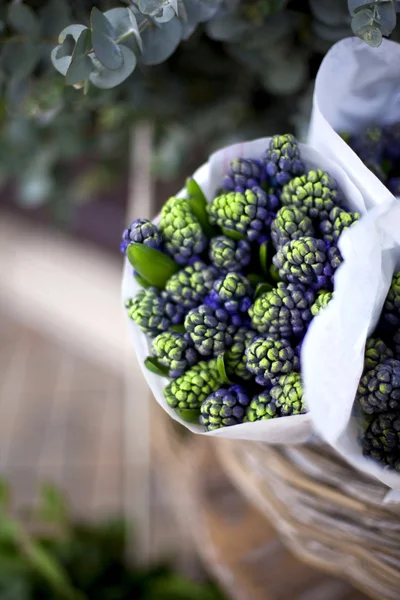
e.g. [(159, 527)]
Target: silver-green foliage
[(146, 32)]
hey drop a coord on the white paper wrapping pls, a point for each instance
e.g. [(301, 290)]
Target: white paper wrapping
[(371, 250), (297, 428), (356, 86)]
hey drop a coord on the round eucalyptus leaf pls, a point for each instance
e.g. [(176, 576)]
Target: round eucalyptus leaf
[(105, 78), (198, 11), (363, 18), (354, 5), (159, 43), (371, 35), (73, 30), (104, 46), (61, 55), (167, 13), (147, 7), (81, 66), (126, 29), (387, 17), (22, 19)]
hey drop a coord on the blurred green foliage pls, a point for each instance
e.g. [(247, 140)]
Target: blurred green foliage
[(205, 72), (47, 557)]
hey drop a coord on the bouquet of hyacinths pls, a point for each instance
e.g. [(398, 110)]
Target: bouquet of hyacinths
[(354, 401), (221, 289)]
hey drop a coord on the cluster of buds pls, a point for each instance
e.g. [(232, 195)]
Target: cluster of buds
[(244, 174), (210, 329), (141, 231), (182, 233), (229, 255), (282, 159), (308, 261), (268, 358), (285, 310), (290, 223), (153, 311), (225, 407), (193, 387), (233, 292), (191, 285), (175, 351), (245, 213), (315, 192)]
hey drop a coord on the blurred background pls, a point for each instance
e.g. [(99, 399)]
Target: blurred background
[(80, 438)]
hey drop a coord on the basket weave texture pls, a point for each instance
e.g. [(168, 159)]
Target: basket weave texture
[(330, 515)]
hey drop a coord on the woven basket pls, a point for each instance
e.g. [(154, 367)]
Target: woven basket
[(329, 515)]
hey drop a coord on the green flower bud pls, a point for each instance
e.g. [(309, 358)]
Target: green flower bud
[(316, 192), (181, 231), (191, 285), (391, 308), (376, 352), (290, 223), (174, 351), (288, 395), (321, 301), (262, 408), (193, 387), (269, 358)]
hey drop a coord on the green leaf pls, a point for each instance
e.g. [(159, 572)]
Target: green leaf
[(105, 48), (222, 369), (231, 233), (386, 17), (22, 19), (50, 570), (53, 506), (194, 190), (149, 6), (81, 65), (153, 265), (159, 43), (274, 273), (153, 365), (178, 328), (142, 281), (5, 496), (264, 256), (255, 279), (61, 55), (9, 531), (198, 205), (126, 29), (263, 288), (190, 415), (105, 78)]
